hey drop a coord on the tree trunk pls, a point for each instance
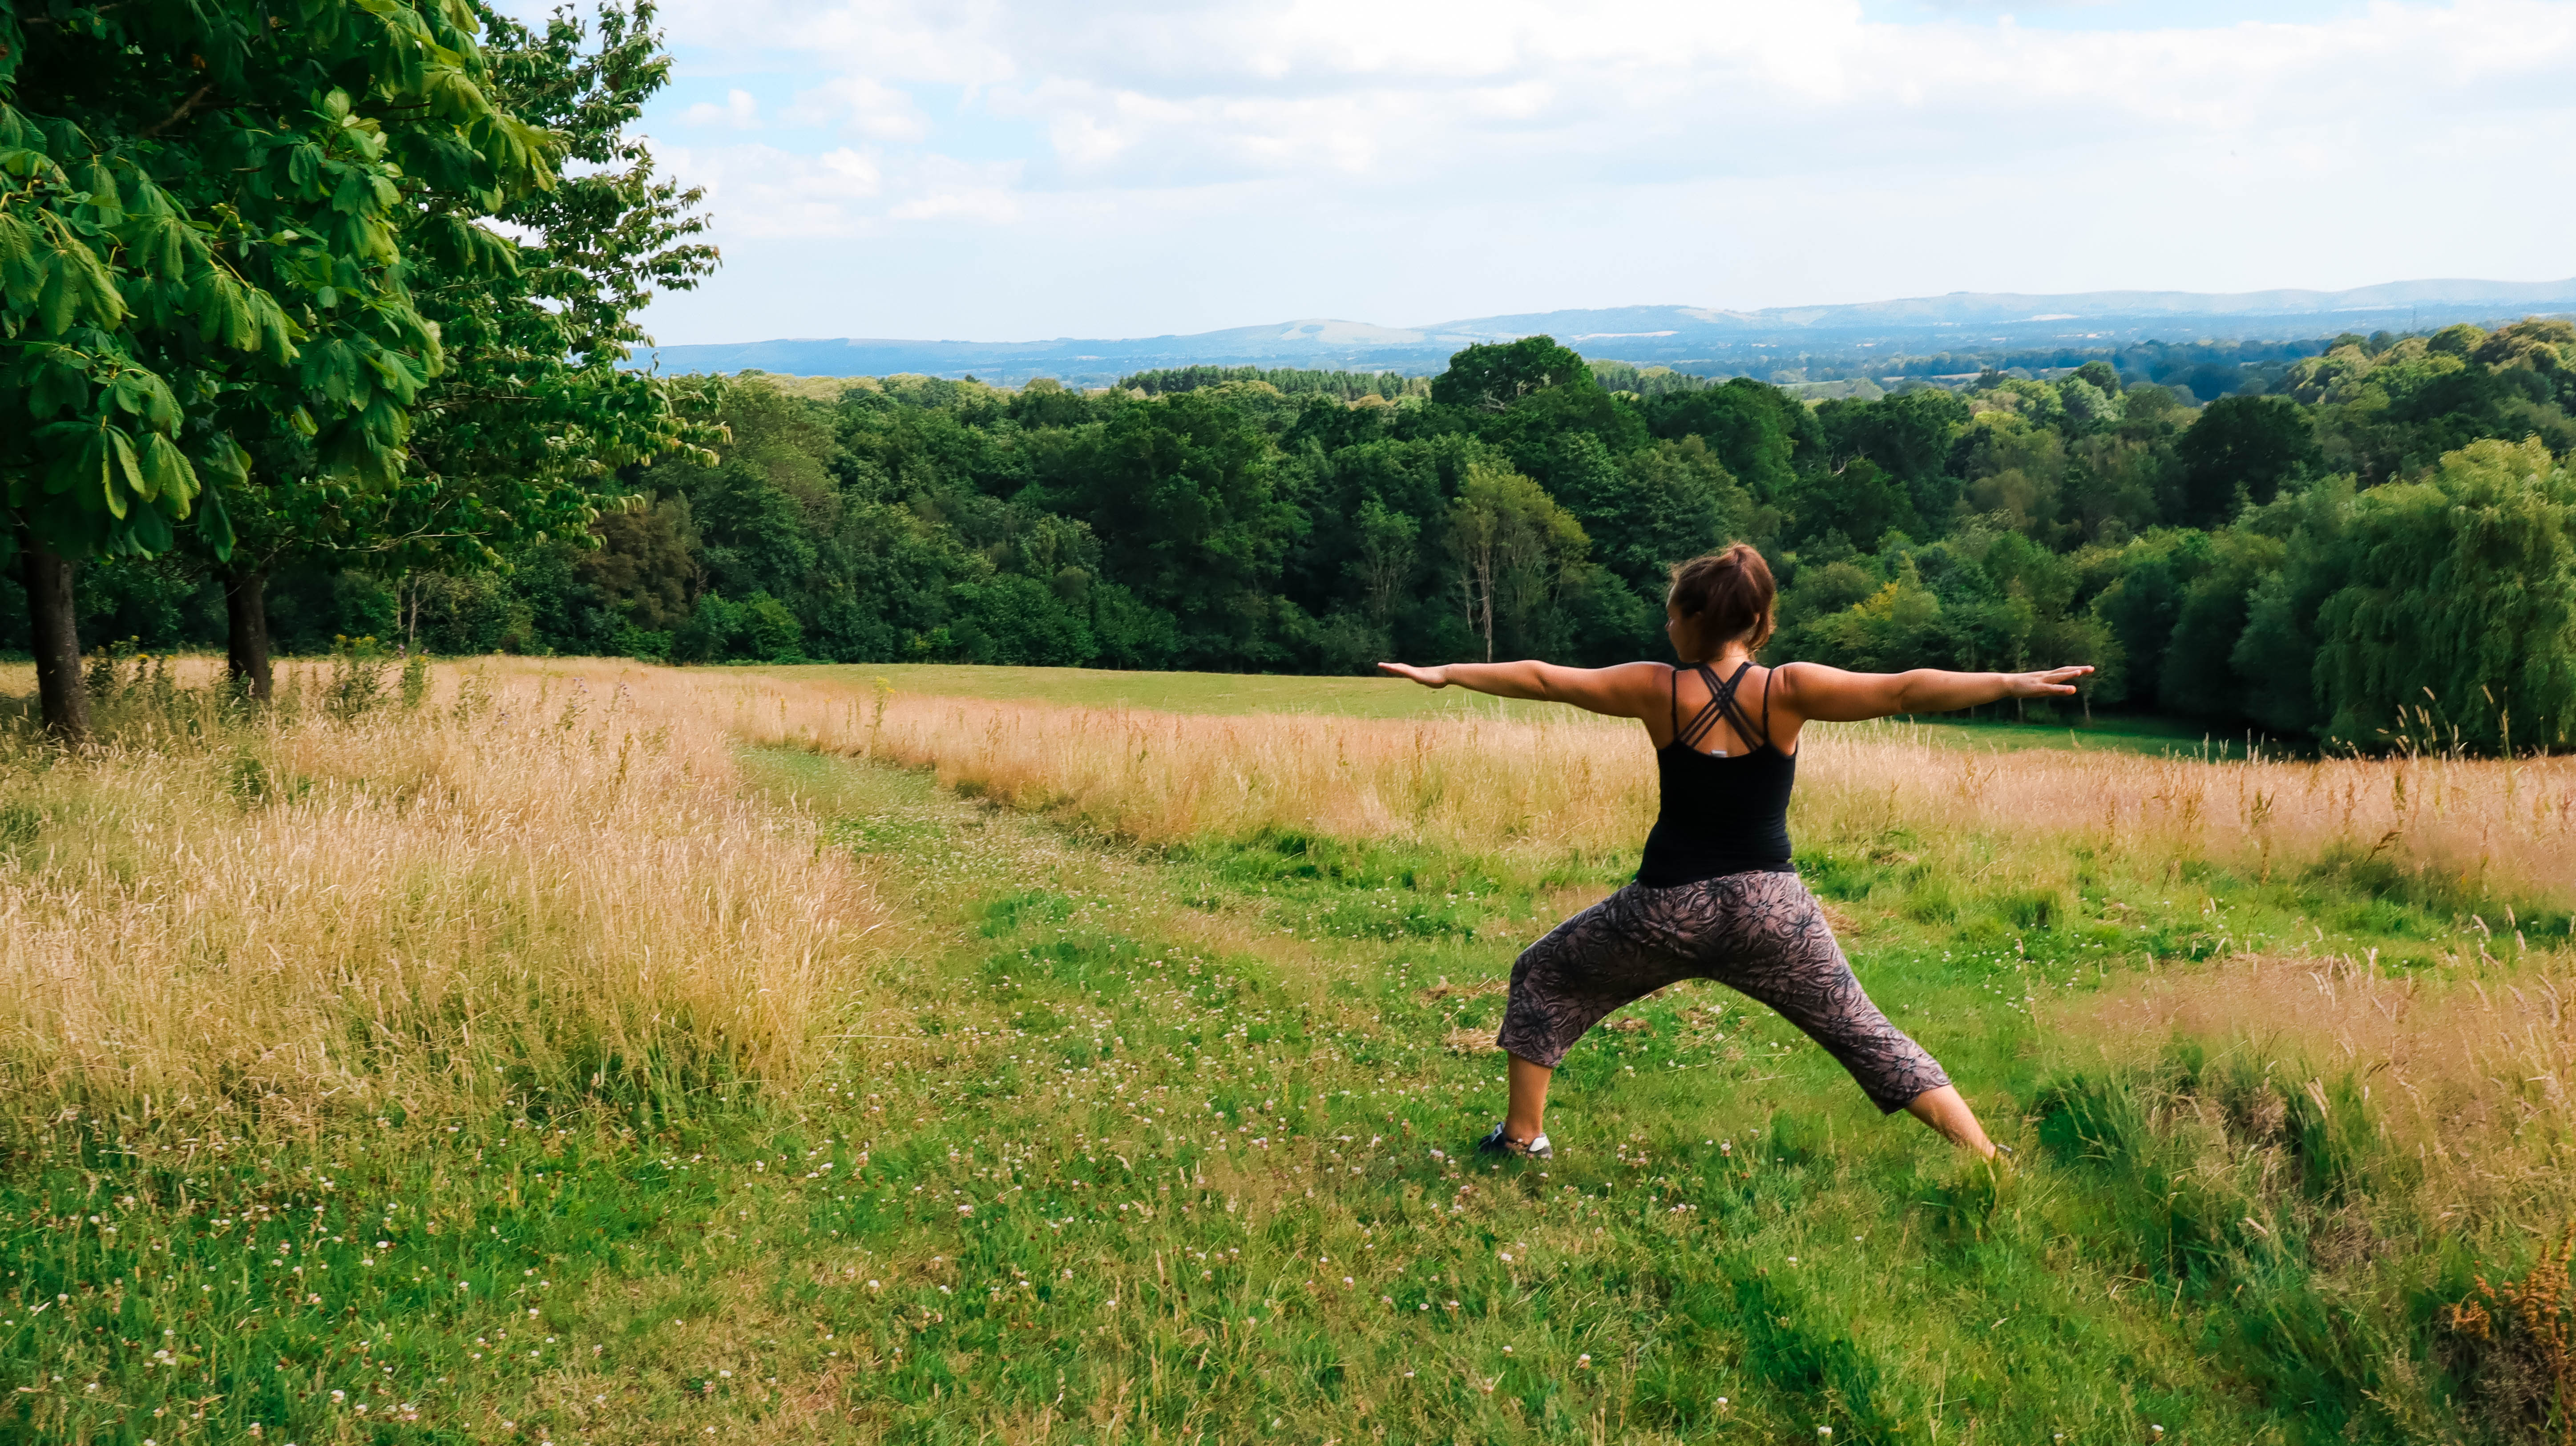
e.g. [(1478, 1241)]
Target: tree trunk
[(246, 631), (55, 630)]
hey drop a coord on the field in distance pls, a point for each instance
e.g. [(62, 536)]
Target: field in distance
[(1242, 693)]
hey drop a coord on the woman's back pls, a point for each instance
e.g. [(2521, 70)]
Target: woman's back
[(1725, 809)]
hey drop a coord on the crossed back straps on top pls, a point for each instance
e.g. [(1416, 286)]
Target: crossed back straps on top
[(1721, 704)]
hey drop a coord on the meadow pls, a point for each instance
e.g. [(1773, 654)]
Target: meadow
[(554, 1051)]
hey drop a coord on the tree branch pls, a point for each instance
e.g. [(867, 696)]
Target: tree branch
[(176, 116)]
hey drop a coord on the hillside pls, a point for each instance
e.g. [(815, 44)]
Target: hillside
[(1712, 341)]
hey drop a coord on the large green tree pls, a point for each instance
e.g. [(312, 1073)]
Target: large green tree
[(2448, 605), (2242, 449), (201, 262), (1517, 552), (519, 437)]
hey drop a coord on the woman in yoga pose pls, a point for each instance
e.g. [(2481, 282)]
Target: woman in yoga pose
[(1716, 896)]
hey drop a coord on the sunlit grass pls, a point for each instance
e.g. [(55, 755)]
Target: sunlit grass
[(1100, 1118)]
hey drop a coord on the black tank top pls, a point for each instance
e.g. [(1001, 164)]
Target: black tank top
[(1720, 815)]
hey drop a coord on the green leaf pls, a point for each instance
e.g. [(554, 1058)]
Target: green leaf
[(160, 409), (119, 472), (354, 194), (57, 388), (167, 471), (98, 289), (60, 299), (20, 275), (215, 525), (224, 461)]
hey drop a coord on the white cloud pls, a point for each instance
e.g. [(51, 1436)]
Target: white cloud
[(764, 193), (1956, 152), (741, 111), (857, 105)]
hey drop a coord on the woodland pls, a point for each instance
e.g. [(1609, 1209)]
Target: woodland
[(2372, 547)]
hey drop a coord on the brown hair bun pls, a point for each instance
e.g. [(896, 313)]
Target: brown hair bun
[(1728, 593)]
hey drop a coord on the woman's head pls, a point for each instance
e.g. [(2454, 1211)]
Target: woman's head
[(1719, 599)]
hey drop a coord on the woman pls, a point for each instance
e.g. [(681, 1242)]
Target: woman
[(1716, 896)]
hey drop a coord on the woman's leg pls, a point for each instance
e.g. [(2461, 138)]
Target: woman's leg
[(1776, 946), (1526, 1120), (1944, 1110), (1621, 949)]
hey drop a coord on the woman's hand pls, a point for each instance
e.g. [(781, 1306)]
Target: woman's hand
[(2040, 685), (1427, 677)]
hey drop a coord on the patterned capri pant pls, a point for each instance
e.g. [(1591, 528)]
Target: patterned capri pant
[(1761, 934)]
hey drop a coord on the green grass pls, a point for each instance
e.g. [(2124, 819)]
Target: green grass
[(1221, 693), (1239, 693), (1167, 1146)]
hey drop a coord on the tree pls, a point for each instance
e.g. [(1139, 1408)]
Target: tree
[(2198, 677), (2455, 595), (1758, 432), (2242, 449), (1515, 549), (200, 250), (1491, 377), (519, 437), (1181, 493), (2142, 606), (1907, 436), (1661, 504), (1384, 564)]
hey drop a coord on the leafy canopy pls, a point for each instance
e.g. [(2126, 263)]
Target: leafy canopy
[(202, 248)]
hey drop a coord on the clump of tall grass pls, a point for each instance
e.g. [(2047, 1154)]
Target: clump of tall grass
[(2346, 1160), (2461, 1072), (393, 892)]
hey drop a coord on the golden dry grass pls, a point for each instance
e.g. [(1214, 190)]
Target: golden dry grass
[(2464, 1070), (562, 881), (526, 886), (2458, 828)]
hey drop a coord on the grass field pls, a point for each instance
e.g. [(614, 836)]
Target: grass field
[(593, 1052), (1243, 693)]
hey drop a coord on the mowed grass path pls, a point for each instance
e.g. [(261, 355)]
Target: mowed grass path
[(1135, 1147), (1187, 1157)]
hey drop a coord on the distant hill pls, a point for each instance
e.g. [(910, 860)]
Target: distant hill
[(1689, 338)]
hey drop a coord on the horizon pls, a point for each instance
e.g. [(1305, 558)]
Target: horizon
[(2568, 284)]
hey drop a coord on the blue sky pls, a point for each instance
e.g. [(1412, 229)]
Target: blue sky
[(995, 170)]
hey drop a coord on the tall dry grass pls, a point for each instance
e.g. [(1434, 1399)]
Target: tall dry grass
[(2464, 1074), (2454, 829), (524, 887), (543, 877)]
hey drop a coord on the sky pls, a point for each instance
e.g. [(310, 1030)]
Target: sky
[(994, 170)]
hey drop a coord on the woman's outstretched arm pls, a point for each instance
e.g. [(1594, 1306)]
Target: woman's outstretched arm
[(1830, 695), (1626, 691)]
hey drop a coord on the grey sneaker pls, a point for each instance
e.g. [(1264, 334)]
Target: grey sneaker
[(1499, 1143)]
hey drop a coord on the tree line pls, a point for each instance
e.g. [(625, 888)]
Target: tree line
[(2382, 550)]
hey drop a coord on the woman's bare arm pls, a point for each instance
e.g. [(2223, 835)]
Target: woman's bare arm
[(1830, 695), (1626, 691)]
